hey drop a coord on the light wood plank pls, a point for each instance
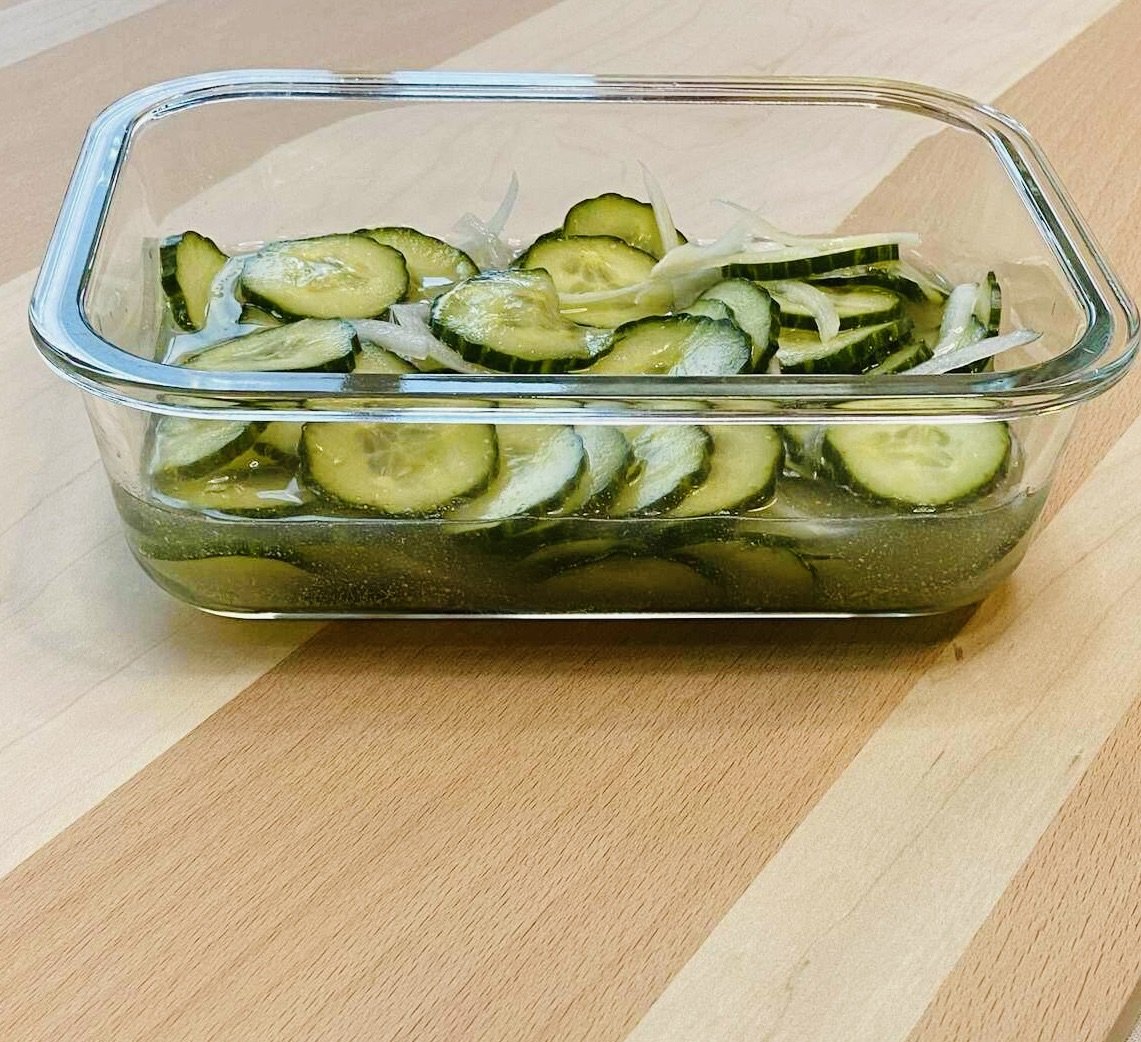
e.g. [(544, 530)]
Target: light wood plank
[(101, 670), (51, 727), (1058, 958), (408, 834), (852, 925), (33, 26)]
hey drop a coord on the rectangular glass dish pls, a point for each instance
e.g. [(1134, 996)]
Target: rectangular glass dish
[(255, 156)]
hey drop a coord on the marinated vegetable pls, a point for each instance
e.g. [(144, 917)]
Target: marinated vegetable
[(578, 516)]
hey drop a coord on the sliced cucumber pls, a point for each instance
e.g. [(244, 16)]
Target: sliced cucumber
[(539, 467), (398, 469), (911, 354), (560, 555), (897, 276), (755, 311), (317, 345), (711, 309), (802, 446), (280, 442), (619, 216), (247, 486), (597, 264), (607, 458), (509, 320), (675, 345), (799, 264), (330, 276), (756, 576), (236, 582), (433, 265), (376, 359), (183, 448), (628, 584), (919, 464), (743, 469), (855, 306), (668, 464), (852, 351), (189, 264)]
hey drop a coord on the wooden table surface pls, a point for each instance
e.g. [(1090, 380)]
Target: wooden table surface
[(872, 831)]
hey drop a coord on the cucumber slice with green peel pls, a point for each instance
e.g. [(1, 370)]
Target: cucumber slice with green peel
[(540, 465), (743, 468), (755, 311), (985, 322), (433, 265), (668, 464), (330, 276), (799, 264), (607, 458), (235, 582), (802, 443), (279, 442), (756, 576), (911, 354), (398, 469), (711, 309), (988, 307), (590, 264), (852, 351), (254, 316), (619, 216), (311, 345), (376, 359), (182, 447), (675, 345), (918, 464), (628, 584), (897, 276), (248, 486), (563, 554), (189, 263), (855, 306), (510, 321)]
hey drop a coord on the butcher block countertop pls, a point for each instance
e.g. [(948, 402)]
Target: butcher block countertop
[(921, 830)]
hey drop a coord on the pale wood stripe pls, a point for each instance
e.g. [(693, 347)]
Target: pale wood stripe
[(47, 101), (33, 26), (87, 644), (410, 834), (1060, 954), (49, 728), (851, 926)]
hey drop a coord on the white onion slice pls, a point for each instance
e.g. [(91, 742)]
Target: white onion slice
[(667, 232), (814, 301), (967, 354)]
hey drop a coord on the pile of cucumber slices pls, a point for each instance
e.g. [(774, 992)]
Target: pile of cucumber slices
[(614, 290)]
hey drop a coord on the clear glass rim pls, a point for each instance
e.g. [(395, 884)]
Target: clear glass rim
[(1096, 360)]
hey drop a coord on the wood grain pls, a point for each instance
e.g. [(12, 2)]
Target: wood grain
[(464, 844), (47, 101), (136, 678), (517, 832), (850, 928), (32, 26), (1060, 955)]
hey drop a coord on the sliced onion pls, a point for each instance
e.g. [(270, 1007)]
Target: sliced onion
[(667, 232), (957, 315), (814, 301), (967, 354), (499, 219), (412, 339), (762, 228), (688, 257)]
